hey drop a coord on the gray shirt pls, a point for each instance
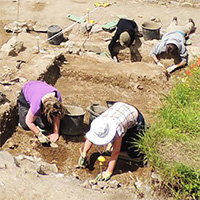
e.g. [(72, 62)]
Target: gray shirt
[(176, 38)]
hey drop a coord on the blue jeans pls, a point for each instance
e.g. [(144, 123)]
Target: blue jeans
[(23, 107), (131, 136)]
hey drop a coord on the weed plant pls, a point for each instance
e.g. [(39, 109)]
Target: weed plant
[(172, 144)]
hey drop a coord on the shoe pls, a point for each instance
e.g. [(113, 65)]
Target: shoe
[(191, 20), (175, 19), (20, 125)]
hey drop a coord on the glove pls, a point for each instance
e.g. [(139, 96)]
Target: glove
[(160, 64), (171, 68), (42, 138), (82, 162), (104, 176), (115, 59)]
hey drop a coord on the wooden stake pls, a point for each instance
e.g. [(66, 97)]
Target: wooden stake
[(38, 43), (88, 12), (18, 10)]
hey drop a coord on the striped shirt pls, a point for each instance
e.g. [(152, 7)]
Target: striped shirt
[(124, 115)]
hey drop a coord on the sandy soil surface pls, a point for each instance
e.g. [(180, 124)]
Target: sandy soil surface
[(89, 78)]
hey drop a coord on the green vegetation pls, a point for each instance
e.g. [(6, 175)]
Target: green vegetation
[(172, 144)]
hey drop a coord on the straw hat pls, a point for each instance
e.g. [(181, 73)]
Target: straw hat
[(124, 38), (102, 131)]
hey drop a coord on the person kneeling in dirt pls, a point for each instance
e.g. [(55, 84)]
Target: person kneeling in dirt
[(172, 45), (125, 36), (118, 125), (40, 107)]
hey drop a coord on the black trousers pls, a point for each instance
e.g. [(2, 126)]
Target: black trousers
[(132, 135), (23, 107)]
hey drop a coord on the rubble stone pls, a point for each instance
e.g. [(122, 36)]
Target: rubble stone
[(13, 47)]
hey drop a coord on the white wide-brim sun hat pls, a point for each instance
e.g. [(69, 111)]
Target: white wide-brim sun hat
[(102, 131)]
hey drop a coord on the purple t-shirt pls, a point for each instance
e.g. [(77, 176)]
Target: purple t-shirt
[(34, 91)]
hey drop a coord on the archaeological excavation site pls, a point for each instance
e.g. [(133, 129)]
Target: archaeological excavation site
[(65, 44)]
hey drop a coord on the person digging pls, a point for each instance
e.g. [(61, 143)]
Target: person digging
[(40, 108), (172, 45), (124, 37), (118, 125)]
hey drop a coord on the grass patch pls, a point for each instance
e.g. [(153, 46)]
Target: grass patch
[(172, 144)]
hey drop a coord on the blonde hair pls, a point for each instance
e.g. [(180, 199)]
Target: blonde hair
[(53, 108)]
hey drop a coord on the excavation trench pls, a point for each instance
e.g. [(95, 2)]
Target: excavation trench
[(82, 82), (9, 109)]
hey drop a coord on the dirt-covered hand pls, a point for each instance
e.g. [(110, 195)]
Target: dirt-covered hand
[(82, 161), (42, 138), (104, 176)]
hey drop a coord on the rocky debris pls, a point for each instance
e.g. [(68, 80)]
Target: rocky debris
[(20, 182), (6, 160), (101, 185), (18, 27), (34, 164), (2, 98), (187, 5), (96, 28), (12, 47), (183, 3)]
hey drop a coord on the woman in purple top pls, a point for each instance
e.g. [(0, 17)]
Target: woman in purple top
[(40, 106)]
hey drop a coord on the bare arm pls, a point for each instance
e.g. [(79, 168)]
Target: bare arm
[(30, 118), (115, 153), (182, 63), (155, 59), (86, 147)]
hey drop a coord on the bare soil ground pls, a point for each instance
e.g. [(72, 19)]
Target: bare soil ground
[(90, 78)]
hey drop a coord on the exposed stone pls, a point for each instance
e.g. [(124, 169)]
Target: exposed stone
[(13, 46), (139, 87), (102, 184), (16, 27), (92, 47), (114, 184), (6, 160), (46, 169), (96, 187), (86, 184), (187, 5), (68, 44), (156, 177), (96, 28)]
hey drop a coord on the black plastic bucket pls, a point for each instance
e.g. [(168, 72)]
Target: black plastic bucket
[(95, 110), (151, 30), (55, 30), (72, 122)]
